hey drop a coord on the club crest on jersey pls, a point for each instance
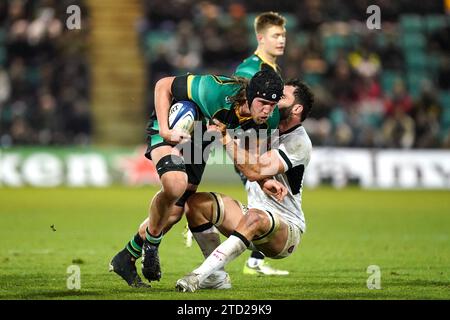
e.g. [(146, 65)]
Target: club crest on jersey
[(227, 99)]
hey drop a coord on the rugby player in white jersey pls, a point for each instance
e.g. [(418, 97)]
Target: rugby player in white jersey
[(272, 224)]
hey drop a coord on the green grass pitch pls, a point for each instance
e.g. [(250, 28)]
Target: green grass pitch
[(405, 233)]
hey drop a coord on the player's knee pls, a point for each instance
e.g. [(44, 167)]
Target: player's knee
[(174, 185), (254, 220), (193, 204), (172, 173)]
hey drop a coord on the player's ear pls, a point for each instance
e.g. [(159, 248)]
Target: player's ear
[(260, 38), (297, 109)]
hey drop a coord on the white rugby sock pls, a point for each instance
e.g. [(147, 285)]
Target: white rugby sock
[(223, 254), (207, 240)]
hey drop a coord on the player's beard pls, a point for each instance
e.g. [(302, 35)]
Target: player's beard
[(285, 113)]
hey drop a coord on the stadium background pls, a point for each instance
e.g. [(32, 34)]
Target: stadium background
[(74, 103)]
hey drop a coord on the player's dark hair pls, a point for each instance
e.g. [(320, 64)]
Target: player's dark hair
[(268, 19), (241, 97), (303, 95)]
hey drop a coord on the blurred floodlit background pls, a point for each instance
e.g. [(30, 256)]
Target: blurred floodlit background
[(66, 94)]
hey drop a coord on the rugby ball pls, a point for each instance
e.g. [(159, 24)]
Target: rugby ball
[(182, 116)]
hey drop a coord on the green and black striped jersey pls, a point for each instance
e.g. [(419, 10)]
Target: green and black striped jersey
[(212, 94), (252, 65)]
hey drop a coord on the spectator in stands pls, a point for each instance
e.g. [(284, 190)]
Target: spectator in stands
[(426, 114), (366, 63), (444, 73), (312, 60), (5, 86), (184, 49), (237, 33), (341, 83), (446, 140), (398, 129), (212, 33), (310, 14), (392, 56), (369, 108), (400, 98), (44, 72), (40, 65)]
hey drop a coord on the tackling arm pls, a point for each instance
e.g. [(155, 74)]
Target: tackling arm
[(254, 166)]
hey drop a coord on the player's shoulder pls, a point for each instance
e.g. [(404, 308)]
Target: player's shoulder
[(249, 67), (221, 83), (253, 59), (220, 79), (296, 139)]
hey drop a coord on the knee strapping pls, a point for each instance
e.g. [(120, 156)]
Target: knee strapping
[(274, 226), (218, 209), (170, 163)]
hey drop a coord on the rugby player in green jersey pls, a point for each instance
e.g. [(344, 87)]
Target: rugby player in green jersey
[(271, 36), (236, 102)]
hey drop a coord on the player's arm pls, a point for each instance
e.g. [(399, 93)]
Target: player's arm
[(163, 98), (258, 168), (254, 166)]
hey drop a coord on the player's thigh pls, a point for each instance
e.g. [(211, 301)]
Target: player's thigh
[(198, 208), (222, 211), (171, 169), (163, 151), (283, 242), (232, 214), (277, 240)]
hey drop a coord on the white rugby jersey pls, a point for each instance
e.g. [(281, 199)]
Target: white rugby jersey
[(294, 148)]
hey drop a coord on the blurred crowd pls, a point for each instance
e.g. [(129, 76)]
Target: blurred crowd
[(387, 88), (44, 75)]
